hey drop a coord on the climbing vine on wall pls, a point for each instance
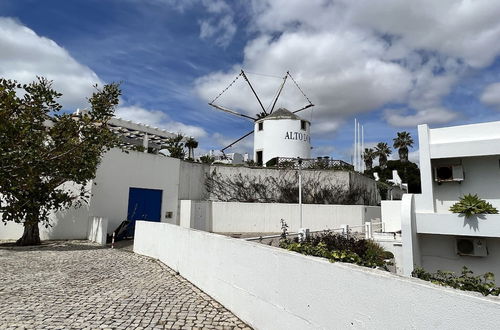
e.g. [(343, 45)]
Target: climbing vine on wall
[(316, 189)]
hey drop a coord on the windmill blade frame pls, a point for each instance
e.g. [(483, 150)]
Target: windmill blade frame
[(231, 111), (304, 108), (238, 140)]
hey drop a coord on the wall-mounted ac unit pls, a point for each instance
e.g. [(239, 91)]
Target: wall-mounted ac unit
[(475, 247), (449, 173)]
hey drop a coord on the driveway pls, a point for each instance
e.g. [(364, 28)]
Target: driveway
[(75, 284)]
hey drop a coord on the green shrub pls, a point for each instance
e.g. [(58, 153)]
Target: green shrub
[(337, 247), (484, 284), (470, 205)]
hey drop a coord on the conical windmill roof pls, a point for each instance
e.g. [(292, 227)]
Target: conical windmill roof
[(282, 113)]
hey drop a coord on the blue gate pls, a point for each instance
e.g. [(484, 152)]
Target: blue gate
[(143, 204)]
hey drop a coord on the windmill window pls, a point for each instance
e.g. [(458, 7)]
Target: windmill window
[(303, 125), (261, 126)]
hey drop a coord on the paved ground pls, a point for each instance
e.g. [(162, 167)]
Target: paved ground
[(80, 285)]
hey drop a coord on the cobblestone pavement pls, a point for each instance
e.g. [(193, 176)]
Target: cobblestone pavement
[(75, 285)]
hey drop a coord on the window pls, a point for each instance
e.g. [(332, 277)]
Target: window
[(303, 125), (261, 126)]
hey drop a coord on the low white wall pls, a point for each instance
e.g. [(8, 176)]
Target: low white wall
[(196, 214), (234, 217), (271, 288), (391, 215), (97, 229), (71, 223)]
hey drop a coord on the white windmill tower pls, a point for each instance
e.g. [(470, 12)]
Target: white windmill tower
[(279, 133)]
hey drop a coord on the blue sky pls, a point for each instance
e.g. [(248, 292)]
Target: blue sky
[(391, 64)]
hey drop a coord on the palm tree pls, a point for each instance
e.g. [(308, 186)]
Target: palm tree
[(402, 142), (382, 150), (368, 156), (175, 146), (191, 144)]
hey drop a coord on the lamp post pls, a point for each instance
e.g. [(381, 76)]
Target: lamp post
[(299, 161), (303, 233)]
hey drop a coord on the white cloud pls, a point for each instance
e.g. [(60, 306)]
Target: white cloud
[(25, 55), (401, 118), (491, 95), (159, 119), (340, 73), (222, 29), (357, 56), (414, 156)]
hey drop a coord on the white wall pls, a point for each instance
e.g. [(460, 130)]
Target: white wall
[(119, 171), (71, 223), (391, 215), (438, 253), (97, 229), (271, 288), (482, 177), (234, 217), (273, 142), (196, 214), (192, 180), (396, 247)]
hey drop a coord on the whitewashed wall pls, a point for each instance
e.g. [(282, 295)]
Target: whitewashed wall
[(270, 288), (192, 180), (234, 217), (482, 177), (119, 171), (97, 230), (391, 215), (438, 253), (67, 224), (196, 214), (273, 142)]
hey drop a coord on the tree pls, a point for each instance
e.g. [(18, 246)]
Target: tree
[(382, 150), (402, 142), (368, 156), (42, 149), (408, 171), (207, 159), (175, 146), (191, 144)]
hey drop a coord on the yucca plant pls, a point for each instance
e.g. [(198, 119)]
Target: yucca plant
[(470, 205)]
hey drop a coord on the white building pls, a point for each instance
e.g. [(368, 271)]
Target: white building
[(127, 186), (281, 134), (454, 161)]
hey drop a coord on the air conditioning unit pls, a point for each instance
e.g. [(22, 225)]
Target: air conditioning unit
[(475, 247), (449, 173)]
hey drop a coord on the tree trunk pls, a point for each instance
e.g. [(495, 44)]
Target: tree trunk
[(382, 160), (368, 164), (31, 235), (403, 154)]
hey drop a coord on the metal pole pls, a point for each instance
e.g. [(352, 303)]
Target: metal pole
[(300, 192), (362, 149), (359, 147), (300, 196), (355, 151)]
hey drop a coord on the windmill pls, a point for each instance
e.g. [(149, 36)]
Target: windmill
[(290, 128)]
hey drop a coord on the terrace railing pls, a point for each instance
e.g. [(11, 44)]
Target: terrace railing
[(311, 163)]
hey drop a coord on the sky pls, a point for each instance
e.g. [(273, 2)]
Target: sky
[(391, 64)]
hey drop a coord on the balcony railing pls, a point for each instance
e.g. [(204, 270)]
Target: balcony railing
[(310, 163)]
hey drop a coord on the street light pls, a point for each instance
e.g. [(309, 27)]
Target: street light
[(302, 231)]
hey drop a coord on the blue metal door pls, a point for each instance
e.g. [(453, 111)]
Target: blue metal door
[(143, 204)]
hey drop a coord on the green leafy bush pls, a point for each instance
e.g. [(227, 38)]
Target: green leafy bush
[(484, 284), (337, 247), (470, 205)]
